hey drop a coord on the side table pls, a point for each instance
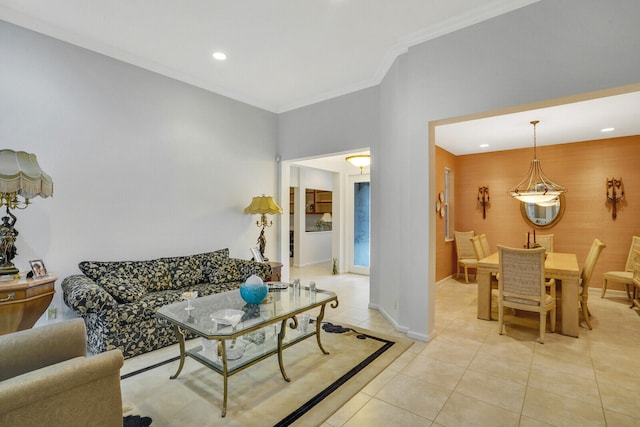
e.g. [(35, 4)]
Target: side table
[(22, 302), (276, 271)]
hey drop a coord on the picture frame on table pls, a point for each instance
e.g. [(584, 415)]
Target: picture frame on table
[(257, 256), (38, 268)]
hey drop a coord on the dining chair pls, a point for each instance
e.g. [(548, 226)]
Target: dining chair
[(585, 278), (477, 247), (636, 278), (485, 245), (481, 249), (625, 277), (522, 286), (466, 255), (544, 240)]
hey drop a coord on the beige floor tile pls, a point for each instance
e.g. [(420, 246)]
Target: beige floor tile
[(564, 384), (340, 417), (416, 396), (530, 422), (502, 366), (379, 413), (578, 368), (621, 397), (455, 353), (498, 391), (620, 420), (506, 347), (379, 382), (561, 411), (434, 371), (461, 410)]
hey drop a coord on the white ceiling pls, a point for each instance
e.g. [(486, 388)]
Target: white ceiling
[(282, 54), (560, 124)]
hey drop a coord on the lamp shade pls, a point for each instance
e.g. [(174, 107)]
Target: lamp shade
[(536, 187), (20, 173), (359, 160), (326, 217), (263, 205)]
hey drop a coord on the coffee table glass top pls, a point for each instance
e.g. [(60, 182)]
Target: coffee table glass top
[(214, 316)]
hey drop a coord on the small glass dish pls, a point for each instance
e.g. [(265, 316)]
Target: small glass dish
[(189, 296), (235, 349)]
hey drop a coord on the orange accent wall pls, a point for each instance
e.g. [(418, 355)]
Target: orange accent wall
[(581, 167)]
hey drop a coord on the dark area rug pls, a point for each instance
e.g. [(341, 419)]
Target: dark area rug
[(136, 421)]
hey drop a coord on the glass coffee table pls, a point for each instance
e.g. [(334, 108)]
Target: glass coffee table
[(236, 335)]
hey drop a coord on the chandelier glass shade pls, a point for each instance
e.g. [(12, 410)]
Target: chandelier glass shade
[(536, 187), (359, 160)]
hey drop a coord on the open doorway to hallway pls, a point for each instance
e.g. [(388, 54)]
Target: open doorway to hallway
[(309, 241)]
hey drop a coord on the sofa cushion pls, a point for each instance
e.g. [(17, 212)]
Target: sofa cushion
[(157, 275), (122, 287), (154, 300), (185, 271), (227, 271), (154, 274), (209, 261)]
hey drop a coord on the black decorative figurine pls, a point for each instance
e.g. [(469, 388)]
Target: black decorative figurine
[(8, 236)]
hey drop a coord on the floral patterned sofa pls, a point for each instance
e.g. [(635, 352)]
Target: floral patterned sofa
[(118, 300)]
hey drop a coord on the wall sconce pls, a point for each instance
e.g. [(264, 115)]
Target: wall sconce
[(440, 204), (483, 199), (615, 194)]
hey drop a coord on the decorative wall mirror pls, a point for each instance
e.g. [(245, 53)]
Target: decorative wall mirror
[(543, 215)]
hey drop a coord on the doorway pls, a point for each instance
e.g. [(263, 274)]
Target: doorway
[(344, 177)]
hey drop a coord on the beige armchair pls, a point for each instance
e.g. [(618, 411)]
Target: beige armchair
[(46, 379)]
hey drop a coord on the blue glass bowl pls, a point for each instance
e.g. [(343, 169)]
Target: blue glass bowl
[(254, 293)]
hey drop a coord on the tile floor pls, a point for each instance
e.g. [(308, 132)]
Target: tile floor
[(469, 375)]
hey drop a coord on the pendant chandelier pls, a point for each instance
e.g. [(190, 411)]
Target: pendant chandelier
[(536, 187)]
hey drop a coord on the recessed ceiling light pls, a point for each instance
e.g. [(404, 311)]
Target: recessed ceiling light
[(484, 145), (607, 129), (219, 56)]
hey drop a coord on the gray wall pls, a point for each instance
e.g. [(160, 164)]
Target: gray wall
[(547, 50), (143, 166), (347, 122)]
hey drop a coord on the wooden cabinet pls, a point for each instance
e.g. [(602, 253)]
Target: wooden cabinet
[(276, 271), (22, 302), (318, 201)]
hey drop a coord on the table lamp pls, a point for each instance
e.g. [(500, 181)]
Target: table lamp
[(21, 179), (263, 205)]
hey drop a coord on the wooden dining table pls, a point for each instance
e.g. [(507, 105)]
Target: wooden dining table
[(560, 266)]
